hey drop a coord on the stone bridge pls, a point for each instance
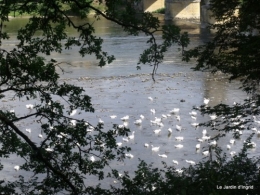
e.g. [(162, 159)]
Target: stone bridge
[(180, 9)]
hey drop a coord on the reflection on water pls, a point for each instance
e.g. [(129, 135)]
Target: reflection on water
[(119, 89)]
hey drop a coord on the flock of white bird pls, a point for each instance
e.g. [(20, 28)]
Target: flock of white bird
[(158, 122)]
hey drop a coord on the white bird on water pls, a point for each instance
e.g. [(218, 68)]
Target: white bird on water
[(197, 146), (29, 106), (150, 98), (206, 101), (125, 139), (162, 155), (178, 146), (100, 121), (155, 149), (178, 127), (193, 113), (146, 145), (28, 130), (195, 124), (92, 159), (170, 130), (129, 155), (179, 171), (175, 111), (157, 131), (16, 168), (213, 143), (232, 141), (193, 117), (175, 162), (204, 132), (73, 112), (142, 116), (179, 138), (213, 117), (73, 122), (49, 149), (152, 111), (205, 153), (164, 116), (138, 122), (132, 136), (119, 144), (113, 116), (228, 147), (204, 137), (190, 162), (125, 118), (178, 118)]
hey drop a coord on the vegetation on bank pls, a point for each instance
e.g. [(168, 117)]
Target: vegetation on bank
[(159, 11)]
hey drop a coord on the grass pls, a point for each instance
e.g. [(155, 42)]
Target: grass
[(160, 11)]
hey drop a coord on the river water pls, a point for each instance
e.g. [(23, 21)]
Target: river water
[(120, 89)]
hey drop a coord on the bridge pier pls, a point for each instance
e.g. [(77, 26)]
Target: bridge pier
[(182, 9)]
